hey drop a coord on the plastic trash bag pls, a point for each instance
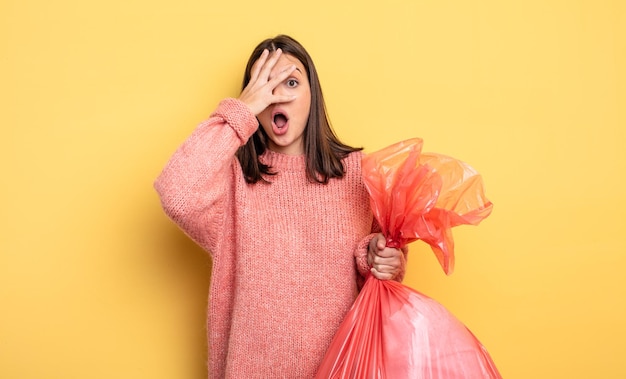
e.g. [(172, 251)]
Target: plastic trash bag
[(393, 331), (417, 195)]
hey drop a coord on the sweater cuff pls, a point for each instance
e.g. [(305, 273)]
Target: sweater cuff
[(238, 116), (360, 255)]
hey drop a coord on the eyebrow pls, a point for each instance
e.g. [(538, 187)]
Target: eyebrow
[(300, 71)]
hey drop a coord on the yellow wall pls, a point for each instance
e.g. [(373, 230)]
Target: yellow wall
[(95, 282)]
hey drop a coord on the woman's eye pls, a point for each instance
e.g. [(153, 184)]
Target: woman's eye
[(292, 83)]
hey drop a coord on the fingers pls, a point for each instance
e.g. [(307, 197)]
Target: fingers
[(256, 67), (262, 69), (280, 77), (259, 93), (378, 242), (283, 99), (266, 69), (381, 242), (388, 252), (274, 82), (386, 263), (383, 275), (385, 270)]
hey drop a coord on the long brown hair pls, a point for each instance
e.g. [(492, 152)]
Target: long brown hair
[(323, 150)]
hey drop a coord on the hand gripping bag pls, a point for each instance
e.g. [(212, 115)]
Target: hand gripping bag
[(393, 331)]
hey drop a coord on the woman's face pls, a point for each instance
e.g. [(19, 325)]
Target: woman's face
[(284, 123)]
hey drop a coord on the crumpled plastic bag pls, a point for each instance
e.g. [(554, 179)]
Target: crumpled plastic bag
[(393, 331), (417, 195)]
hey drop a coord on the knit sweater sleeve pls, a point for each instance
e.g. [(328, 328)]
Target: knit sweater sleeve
[(196, 187)]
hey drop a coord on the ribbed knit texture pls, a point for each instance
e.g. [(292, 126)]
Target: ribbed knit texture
[(286, 255)]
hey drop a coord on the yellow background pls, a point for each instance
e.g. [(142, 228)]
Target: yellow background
[(95, 282)]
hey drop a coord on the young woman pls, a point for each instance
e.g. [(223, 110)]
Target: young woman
[(266, 187)]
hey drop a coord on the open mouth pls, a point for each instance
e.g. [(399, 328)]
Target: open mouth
[(280, 120)]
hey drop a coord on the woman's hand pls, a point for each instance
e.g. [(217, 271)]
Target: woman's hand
[(259, 93), (386, 262)]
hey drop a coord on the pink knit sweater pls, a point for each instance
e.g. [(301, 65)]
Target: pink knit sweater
[(286, 255)]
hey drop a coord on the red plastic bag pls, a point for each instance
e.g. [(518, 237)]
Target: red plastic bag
[(393, 331), (417, 195)]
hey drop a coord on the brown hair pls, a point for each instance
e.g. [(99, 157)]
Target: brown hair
[(322, 148)]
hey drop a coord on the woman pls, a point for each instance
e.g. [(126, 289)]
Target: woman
[(267, 188)]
